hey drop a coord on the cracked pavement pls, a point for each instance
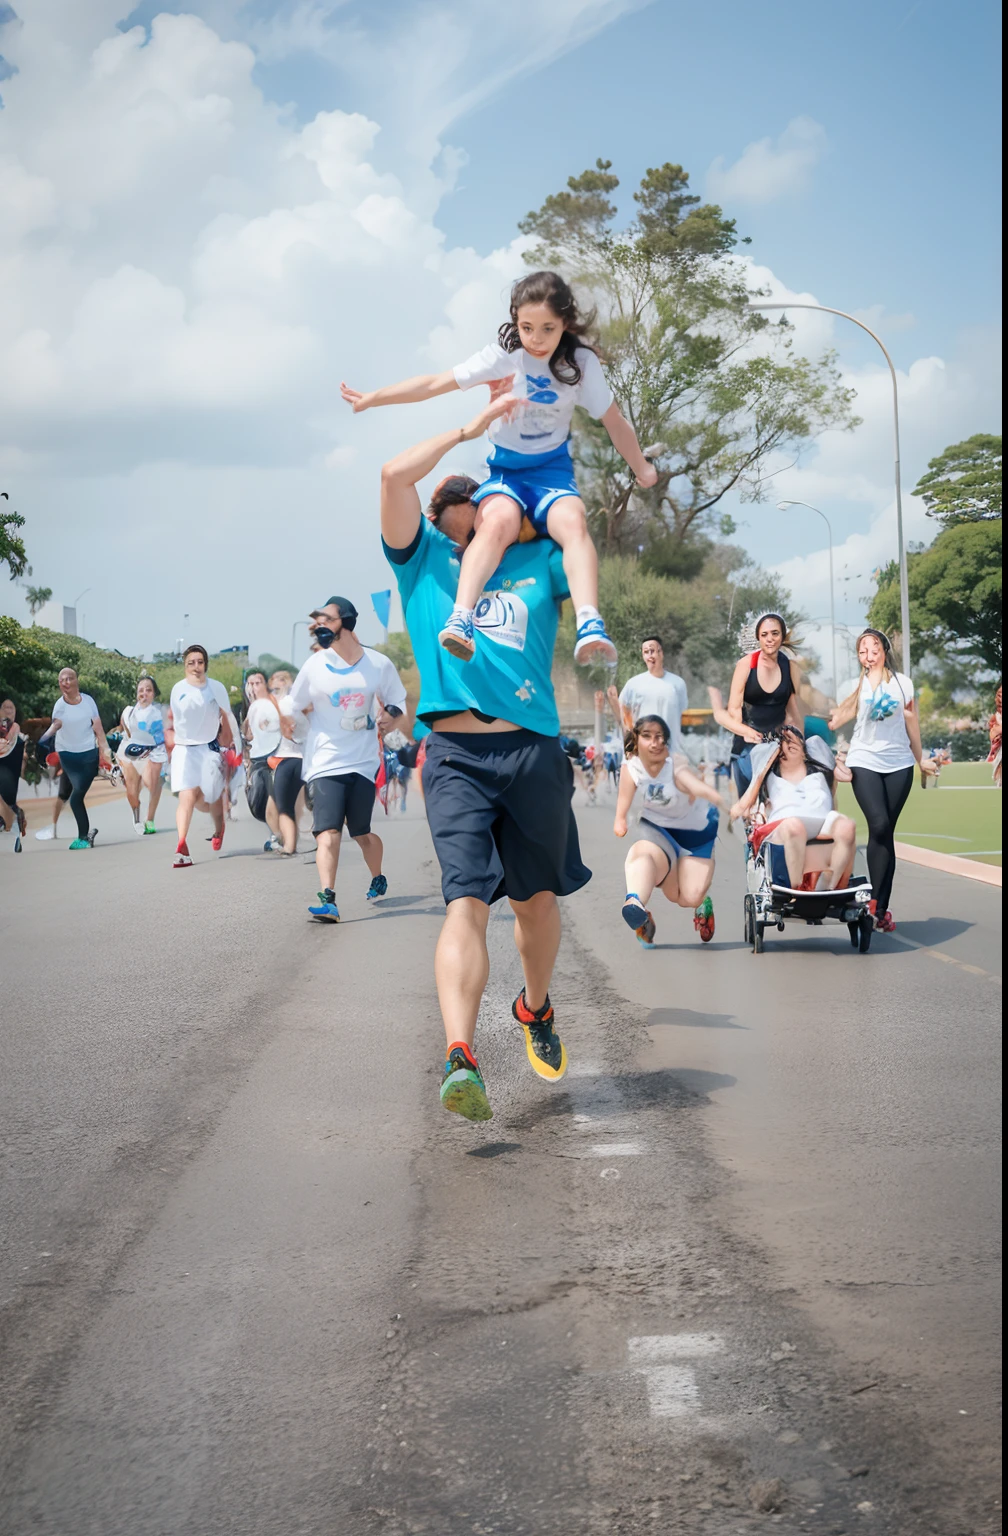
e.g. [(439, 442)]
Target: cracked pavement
[(738, 1270)]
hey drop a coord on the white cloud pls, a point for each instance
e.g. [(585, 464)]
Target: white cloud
[(769, 169)]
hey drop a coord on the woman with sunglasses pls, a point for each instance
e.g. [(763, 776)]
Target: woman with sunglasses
[(885, 744), (673, 851)]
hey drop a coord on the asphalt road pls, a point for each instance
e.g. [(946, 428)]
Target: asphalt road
[(739, 1269)]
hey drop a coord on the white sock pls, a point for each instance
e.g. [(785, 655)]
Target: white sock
[(584, 614), (458, 612)]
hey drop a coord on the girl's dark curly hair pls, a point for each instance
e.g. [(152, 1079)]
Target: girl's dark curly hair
[(631, 741), (549, 288)]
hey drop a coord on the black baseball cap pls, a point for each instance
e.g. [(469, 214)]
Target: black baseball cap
[(344, 607)]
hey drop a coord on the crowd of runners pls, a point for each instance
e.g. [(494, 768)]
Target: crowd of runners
[(482, 572)]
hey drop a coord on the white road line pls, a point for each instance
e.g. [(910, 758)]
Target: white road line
[(672, 1391), (617, 1149), (654, 1348)]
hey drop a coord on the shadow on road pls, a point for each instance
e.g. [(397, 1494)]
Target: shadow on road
[(930, 931), (688, 1018)]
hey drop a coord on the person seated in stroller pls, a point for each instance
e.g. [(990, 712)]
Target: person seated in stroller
[(791, 801)]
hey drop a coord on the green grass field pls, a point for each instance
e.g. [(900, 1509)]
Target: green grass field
[(962, 816)]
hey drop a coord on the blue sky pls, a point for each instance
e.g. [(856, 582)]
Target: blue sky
[(857, 147)]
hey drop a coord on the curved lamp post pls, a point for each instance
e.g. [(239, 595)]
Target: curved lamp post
[(782, 506), (824, 309)]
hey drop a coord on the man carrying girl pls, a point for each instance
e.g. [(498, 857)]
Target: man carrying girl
[(551, 367)]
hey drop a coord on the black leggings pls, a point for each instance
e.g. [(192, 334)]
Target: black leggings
[(81, 768), (287, 785), (881, 797), (10, 774)]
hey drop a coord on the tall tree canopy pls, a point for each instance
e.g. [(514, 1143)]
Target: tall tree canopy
[(963, 484), (955, 594), (712, 389)]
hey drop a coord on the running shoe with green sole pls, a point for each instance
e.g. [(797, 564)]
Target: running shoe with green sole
[(463, 1090), (703, 920), (149, 828), (543, 1046), (79, 843), (646, 932)]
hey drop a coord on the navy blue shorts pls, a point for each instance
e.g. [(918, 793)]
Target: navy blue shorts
[(535, 481), (342, 799), (500, 813)]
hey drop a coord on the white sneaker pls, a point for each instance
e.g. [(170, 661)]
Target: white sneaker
[(47, 834)]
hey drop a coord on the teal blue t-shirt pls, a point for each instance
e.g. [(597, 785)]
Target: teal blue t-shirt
[(516, 623)]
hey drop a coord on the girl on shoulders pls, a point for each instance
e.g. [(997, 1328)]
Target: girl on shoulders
[(544, 354), (674, 847), (885, 744)]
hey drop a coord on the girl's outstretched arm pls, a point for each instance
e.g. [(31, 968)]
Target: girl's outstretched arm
[(624, 800), (400, 503), (692, 784), (424, 387), (624, 440)]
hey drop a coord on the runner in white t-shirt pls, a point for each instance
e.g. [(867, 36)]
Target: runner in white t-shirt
[(653, 692), (674, 847), (142, 752), (531, 491), (261, 730), (346, 691), (885, 744), (199, 725), (78, 737), (288, 784)]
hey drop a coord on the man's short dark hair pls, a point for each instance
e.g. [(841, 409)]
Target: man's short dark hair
[(652, 639), (452, 491), (202, 651)]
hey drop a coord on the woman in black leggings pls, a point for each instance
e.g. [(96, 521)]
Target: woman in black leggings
[(885, 745), (12, 817), (82, 747)]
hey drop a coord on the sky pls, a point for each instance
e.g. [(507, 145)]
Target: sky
[(210, 214)]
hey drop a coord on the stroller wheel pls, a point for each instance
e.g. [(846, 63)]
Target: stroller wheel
[(749, 924), (865, 926), (758, 939), (854, 930)]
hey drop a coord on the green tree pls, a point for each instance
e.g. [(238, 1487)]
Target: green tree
[(712, 389), (955, 594), (12, 550), (963, 484), (30, 662), (36, 598)]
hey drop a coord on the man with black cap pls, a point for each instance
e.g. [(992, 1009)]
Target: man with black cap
[(345, 690)]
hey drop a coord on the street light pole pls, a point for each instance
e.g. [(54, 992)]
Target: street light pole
[(76, 601), (294, 630), (782, 506), (825, 309)]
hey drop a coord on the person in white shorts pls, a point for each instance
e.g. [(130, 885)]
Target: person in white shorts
[(142, 752), (288, 788), (653, 692), (199, 725)]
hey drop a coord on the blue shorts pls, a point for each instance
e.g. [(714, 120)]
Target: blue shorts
[(534, 480), (696, 842), (500, 815)]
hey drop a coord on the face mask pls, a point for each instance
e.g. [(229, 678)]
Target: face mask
[(325, 637)]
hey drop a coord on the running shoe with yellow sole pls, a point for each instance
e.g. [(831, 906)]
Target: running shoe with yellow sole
[(703, 920), (463, 1090), (543, 1046)]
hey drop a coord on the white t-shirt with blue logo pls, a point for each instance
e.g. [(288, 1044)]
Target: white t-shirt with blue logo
[(544, 424), (662, 801), (879, 739), (509, 677), (345, 700)]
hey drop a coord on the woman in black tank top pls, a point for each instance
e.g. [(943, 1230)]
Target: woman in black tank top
[(763, 695)]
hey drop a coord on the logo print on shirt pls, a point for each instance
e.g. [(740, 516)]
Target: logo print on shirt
[(502, 616), (538, 389)]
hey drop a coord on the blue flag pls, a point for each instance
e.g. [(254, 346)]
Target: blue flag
[(382, 604)]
